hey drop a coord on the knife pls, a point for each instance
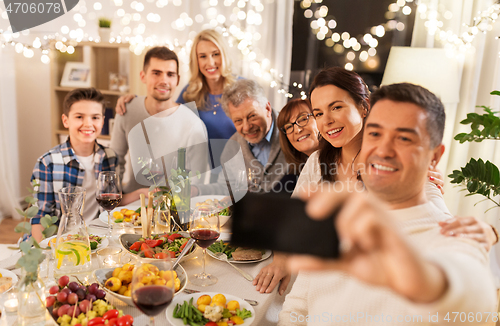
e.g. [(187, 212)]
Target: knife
[(188, 246)]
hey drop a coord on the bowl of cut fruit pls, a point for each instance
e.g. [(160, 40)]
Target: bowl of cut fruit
[(158, 246), (74, 303)]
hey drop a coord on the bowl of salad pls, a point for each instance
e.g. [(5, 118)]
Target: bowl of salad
[(158, 246), (221, 203)]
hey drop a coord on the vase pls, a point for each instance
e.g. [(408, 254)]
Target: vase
[(31, 300), (104, 34)]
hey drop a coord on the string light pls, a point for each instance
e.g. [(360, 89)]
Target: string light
[(456, 45)]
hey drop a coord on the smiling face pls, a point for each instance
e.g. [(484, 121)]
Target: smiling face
[(304, 139), (209, 60), (396, 152), (338, 118), (84, 122), (250, 120), (161, 79)]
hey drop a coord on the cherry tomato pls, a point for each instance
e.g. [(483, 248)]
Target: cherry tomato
[(130, 318), (78, 325), (154, 243), (161, 255), (174, 236), (113, 313), (96, 321), (123, 321), (136, 246), (148, 252), (211, 323), (112, 322)]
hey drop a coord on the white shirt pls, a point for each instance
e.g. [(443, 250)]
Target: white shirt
[(90, 208)]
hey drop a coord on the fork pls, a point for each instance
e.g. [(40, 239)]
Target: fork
[(222, 256)]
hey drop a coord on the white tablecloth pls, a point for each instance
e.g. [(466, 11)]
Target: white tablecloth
[(230, 282)]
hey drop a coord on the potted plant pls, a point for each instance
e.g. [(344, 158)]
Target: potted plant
[(479, 177), (104, 29)]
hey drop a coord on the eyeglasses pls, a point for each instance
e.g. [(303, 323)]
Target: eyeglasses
[(301, 121)]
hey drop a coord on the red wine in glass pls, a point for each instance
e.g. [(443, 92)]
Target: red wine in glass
[(152, 300), (109, 201), (204, 237)]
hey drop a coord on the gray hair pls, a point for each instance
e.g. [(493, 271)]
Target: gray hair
[(240, 91)]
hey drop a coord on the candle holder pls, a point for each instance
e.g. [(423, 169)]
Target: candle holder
[(109, 257)]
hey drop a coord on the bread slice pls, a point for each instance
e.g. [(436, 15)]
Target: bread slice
[(5, 283), (247, 254)]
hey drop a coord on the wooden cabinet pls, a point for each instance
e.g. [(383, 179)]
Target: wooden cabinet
[(103, 59)]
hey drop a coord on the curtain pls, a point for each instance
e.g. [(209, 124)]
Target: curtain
[(9, 200), (480, 68)]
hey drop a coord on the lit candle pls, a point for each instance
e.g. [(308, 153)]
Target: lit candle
[(11, 305)]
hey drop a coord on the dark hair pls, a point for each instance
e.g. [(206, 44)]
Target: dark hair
[(82, 94), (418, 95), (295, 158), (162, 53), (353, 84)]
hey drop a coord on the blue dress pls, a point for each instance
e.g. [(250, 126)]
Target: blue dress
[(219, 126)]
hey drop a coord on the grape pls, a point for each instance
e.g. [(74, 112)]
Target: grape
[(81, 294), (93, 288), (73, 286), (73, 309), (63, 310), (84, 305), (49, 301), (91, 297), (62, 297), (55, 313), (54, 289), (83, 287), (72, 298), (100, 294), (63, 280), (67, 291)]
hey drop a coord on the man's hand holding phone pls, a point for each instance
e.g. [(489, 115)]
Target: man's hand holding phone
[(373, 249)]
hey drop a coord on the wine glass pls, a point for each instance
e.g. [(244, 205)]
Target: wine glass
[(253, 180), (204, 227), (153, 287), (108, 193)]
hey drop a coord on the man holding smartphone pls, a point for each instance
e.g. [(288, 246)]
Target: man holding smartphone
[(396, 267)]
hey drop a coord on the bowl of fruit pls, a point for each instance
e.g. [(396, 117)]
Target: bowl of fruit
[(117, 281), (74, 303), (158, 246)]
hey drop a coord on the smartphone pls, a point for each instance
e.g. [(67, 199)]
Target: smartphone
[(278, 222)]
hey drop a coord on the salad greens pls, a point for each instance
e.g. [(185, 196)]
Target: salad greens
[(220, 246)]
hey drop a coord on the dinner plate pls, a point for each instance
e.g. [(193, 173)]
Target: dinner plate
[(265, 256), (104, 243), (104, 215), (186, 297), (10, 274)]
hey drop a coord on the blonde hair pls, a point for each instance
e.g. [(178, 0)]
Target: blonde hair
[(197, 89)]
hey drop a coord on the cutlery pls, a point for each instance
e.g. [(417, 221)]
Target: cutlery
[(188, 246), (222, 256), (250, 302), (98, 226)]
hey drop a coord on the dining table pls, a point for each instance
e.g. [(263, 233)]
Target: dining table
[(230, 281)]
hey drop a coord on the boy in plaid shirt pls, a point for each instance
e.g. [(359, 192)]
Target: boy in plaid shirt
[(78, 161)]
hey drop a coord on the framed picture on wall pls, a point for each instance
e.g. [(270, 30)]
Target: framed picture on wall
[(76, 74)]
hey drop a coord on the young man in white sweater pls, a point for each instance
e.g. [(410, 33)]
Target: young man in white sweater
[(396, 267), (166, 125)]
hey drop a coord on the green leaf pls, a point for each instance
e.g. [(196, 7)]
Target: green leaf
[(50, 231), (20, 212), (45, 222), (23, 227), (31, 211), (25, 246), (145, 171), (495, 93), (153, 187), (173, 173), (54, 219), (198, 174)]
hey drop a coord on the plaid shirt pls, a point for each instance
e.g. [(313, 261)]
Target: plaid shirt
[(59, 168)]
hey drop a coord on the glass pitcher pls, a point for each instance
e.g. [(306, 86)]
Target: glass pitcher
[(72, 252), (162, 217)]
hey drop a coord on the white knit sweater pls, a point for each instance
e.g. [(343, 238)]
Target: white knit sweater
[(335, 298)]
